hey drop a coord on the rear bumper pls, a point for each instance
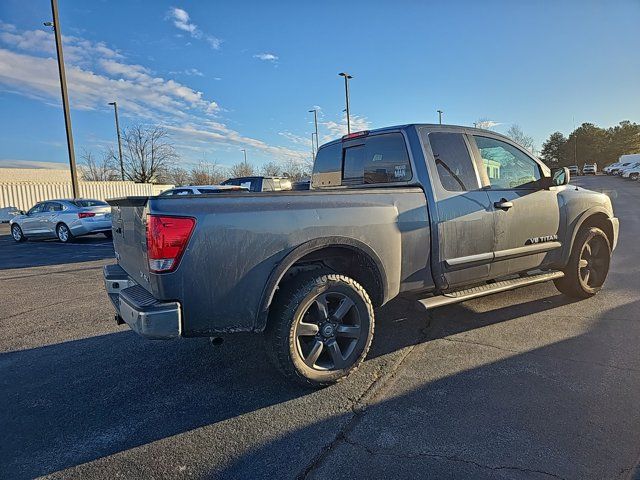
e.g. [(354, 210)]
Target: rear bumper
[(144, 314), (85, 228)]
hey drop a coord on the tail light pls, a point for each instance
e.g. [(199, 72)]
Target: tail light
[(167, 238), (86, 214)]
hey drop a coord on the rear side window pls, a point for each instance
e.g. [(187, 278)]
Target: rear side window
[(90, 203), (387, 159), (327, 168), (453, 161), (52, 207)]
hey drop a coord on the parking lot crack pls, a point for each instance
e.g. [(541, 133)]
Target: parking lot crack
[(450, 458), (381, 379)]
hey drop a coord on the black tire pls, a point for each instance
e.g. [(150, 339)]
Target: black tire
[(108, 234), (633, 176), (16, 233), (336, 335), (588, 264), (63, 232)]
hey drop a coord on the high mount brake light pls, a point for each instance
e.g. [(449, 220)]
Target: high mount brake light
[(167, 239), (351, 136)]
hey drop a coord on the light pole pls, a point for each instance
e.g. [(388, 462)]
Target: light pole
[(315, 119), (313, 152), (440, 112), (245, 155), (115, 110), (65, 98), (347, 77)]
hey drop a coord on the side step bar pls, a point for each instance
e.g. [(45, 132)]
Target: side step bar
[(488, 289)]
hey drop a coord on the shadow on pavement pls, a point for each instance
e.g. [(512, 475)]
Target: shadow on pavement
[(39, 253)]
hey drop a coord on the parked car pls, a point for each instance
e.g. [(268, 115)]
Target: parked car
[(632, 171), (261, 184), (202, 190), (420, 209), (589, 169), (608, 168), (616, 170), (574, 170), (64, 219)]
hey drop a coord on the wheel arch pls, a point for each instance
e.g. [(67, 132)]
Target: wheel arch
[(376, 287), (594, 217)]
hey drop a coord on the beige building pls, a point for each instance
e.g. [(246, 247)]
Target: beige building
[(34, 175)]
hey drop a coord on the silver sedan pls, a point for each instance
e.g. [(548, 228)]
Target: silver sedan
[(62, 219)]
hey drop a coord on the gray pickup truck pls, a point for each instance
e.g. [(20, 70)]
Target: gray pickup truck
[(444, 213)]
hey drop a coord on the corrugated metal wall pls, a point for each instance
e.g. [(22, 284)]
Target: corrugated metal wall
[(25, 195)]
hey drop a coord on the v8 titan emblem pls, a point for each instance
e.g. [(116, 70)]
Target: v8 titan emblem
[(546, 238)]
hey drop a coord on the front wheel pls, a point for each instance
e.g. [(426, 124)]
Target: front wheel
[(16, 233), (320, 328), (63, 233), (588, 264)]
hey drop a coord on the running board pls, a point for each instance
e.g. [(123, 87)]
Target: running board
[(488, 289)]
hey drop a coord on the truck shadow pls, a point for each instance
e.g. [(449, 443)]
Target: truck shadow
[(70, 403)]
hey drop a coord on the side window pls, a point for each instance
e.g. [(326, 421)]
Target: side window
[(52, 207), (387, 159), (507, 167), (353, 165), (453, 161), (327, 169), (36, 209)]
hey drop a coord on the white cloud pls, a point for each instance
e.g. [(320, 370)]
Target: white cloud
[(190, 72), (486, 124), (105, 75), (11, 163), (182, 21), (267, 57), (338, 129)]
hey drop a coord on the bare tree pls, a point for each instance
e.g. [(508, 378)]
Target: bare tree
[(103, 170), (242, 169), (297, 169), (516, 134), (485, 123), (147, 152), (271, 169), (207, 173), (174, 176)]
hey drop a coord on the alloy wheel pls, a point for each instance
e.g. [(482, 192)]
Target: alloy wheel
[(594, 262), (63, 233), (328, 331)]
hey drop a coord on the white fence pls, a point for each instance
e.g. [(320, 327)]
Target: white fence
[(24, 195)]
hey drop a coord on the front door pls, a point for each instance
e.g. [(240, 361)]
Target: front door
[(526, 216), (32, 224), (464, 211)]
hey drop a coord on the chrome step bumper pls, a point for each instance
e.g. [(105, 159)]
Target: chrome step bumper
[(488, 289), (144, 314)]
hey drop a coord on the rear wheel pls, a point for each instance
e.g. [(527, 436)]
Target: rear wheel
[(16, 233), (64, 233), (588, 264), (320, 328)]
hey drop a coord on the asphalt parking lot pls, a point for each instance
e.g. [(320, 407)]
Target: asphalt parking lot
[(525, 384)]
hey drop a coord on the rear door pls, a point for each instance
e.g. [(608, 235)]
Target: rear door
[(464, 211), (51, 216), (526, 216)]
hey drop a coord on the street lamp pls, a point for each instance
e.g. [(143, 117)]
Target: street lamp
[(313, 152), (115, 110), (315, 119), (65, 97), (245, 155), (440, 112), (347, 77)]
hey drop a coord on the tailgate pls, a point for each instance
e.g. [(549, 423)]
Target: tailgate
[(129, 221)]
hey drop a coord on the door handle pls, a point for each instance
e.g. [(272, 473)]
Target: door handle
[(503, 204)]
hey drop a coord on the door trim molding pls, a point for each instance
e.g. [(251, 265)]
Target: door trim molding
[(526, 250)]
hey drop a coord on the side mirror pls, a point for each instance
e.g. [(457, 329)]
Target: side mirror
[(559, 176)]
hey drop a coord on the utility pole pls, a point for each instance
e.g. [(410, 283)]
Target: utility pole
[(245, 155), (315, 119), (65, 97), (440, 112), (347, 77), (115, 109)]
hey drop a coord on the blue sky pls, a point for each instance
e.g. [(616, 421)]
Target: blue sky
[(223, 76)]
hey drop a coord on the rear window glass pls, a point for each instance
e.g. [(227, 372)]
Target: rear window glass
[(454, 164), (387, 159), (353, 170), (90, 203), (327, 168)]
